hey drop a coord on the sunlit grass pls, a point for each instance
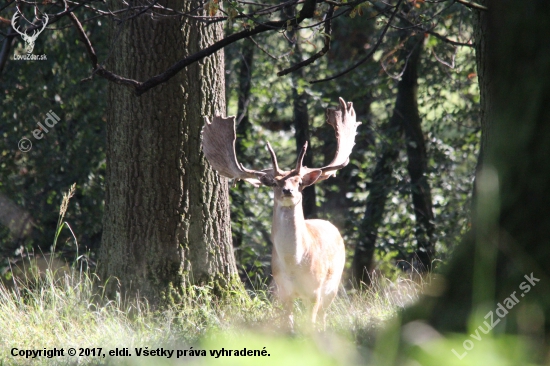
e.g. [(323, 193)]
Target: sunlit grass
[(66, 309)]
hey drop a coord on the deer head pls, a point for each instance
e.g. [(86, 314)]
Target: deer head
[(29, 40), (219, 147)]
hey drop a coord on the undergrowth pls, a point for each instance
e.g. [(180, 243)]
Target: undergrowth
[(48, 305), (69, 310), (48, 309)]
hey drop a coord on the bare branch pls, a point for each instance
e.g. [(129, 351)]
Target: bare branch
[(267, 11), (447, 40), (251, 3), (6, 5), (117, 79), (422, 29), (321, 53), (472, 5), (267, 52), (84, 38), (449, 65), (307, 12)]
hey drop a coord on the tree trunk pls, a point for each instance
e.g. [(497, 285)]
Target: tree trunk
[(243, 134), (405, 117), (510, 238), (418, 160), (166, 221), (245, 78), (484, 78), (379, 189), (301, 127)]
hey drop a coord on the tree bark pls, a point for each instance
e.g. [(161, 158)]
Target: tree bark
[(510, 227), (484, 78), (166, 222), (245, 78)]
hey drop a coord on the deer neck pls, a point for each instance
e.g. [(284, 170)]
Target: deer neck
[(289, 231)]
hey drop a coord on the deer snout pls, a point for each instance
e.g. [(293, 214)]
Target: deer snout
[(287, 191)]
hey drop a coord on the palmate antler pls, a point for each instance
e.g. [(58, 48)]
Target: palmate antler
[(218, 144), (344, 122), (219, 147)]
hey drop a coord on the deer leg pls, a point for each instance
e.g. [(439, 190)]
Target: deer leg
[(324, 304), (317, 304), (322, 315), (285, 297), (288, 306)]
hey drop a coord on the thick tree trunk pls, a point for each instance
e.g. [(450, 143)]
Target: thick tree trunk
[(484, 78), (166, 221), (510, 238), (405, 117)]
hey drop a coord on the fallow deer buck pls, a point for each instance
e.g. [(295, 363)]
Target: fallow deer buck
[(308, 255)]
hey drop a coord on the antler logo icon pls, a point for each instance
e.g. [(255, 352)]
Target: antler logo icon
[(29, 40)]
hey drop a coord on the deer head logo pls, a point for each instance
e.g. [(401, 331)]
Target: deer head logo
[(29, 40)]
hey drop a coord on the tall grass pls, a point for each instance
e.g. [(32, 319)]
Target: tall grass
[(64, 307), (69, 310)]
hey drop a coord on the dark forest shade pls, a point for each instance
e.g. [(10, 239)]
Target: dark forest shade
[(510, 236)]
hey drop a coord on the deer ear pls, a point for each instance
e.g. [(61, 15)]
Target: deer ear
[(311, 177)]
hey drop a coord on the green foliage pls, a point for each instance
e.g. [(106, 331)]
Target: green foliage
[(72, 151), (448, 100)]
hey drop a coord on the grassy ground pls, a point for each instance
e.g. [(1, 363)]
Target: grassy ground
[(68, 310), (64, 310)]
